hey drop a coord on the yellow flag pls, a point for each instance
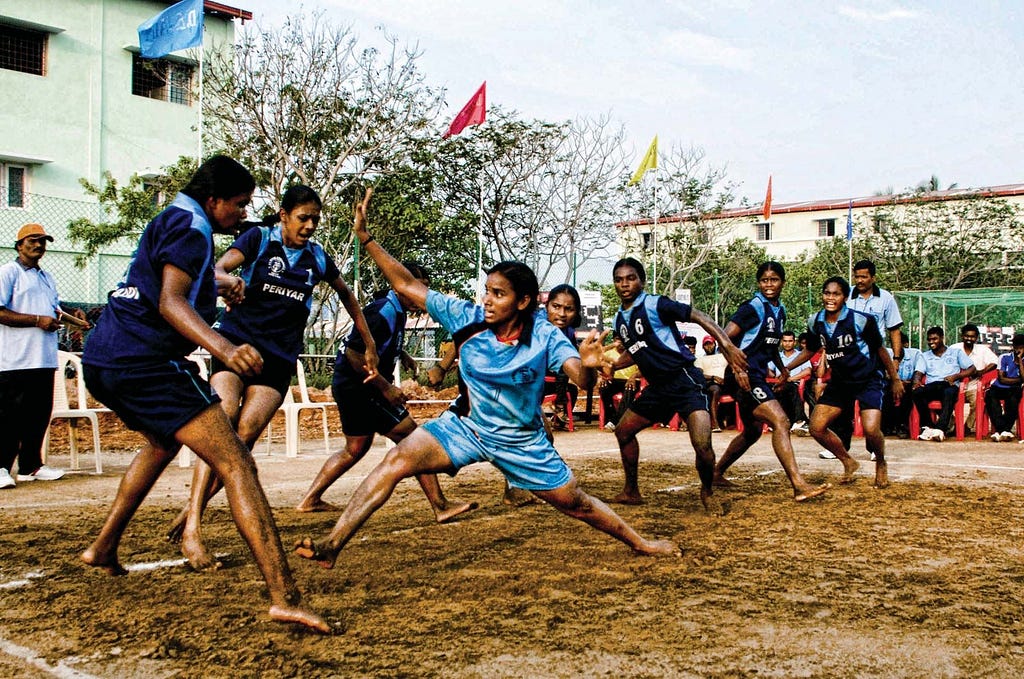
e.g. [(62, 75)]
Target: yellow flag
[(649, 162)]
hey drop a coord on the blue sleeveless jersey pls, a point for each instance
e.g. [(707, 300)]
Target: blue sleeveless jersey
[(762, 323), (279, 284), (386, 319), (500, 384), (131, 331), (648, 329), (851, 344)]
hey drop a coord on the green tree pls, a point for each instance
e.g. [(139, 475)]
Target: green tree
[(129, 207)]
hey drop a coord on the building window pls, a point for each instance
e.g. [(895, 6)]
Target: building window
[(881, 223), (162, 79), (826, 228), (22, 50), (12, 185), (763, 231), (647, 239)]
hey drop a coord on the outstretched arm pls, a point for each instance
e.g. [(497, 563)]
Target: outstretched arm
[(581, 370), (348, 300), (400, 278)]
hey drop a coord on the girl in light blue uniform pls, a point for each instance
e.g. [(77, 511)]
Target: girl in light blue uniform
[(503, 356)]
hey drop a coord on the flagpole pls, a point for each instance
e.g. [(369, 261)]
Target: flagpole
[(200, 158), (654, 236), (480, 247)]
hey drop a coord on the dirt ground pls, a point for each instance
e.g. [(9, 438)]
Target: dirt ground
[(924, 579)]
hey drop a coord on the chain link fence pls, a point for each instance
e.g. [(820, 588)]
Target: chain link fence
[(79, 286)]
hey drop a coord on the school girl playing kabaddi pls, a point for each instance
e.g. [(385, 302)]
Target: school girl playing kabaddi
[(503, 355)]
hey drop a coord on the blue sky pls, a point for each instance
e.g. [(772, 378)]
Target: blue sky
[(834, 100)]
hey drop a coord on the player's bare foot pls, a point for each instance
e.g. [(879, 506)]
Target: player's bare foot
[(812, 492), (658, 548), (626, 498), (106, 563), (453, 510), (722, 482), (517, 497), (881, 474), (318, 506), (199, 559), (300, 616), (711, 503), (308, 549), (850, 467)]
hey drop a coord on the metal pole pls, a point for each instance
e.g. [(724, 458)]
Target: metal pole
[(716, 296), (480, 247)]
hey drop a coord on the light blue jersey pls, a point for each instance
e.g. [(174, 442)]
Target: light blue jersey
[(500, 383)]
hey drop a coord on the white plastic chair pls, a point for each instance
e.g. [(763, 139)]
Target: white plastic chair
[(62, 409), (291, 409)]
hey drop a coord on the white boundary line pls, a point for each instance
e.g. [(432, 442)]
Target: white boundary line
[(32, 658)]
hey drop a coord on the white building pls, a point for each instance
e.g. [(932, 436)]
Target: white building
[(792, 228), (81, 102)]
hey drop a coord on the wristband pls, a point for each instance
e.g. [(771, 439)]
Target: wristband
[(367, 241), (36, 324)]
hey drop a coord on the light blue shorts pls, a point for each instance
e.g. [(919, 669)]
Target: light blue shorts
[(531, 463)]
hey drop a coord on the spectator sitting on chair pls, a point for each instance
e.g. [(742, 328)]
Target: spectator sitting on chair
[(713, 365), (896, 415), (941, 368), (983, 358), (1003, 396), (788, 394)]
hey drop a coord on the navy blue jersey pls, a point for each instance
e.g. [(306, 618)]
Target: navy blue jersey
[(649, 331), (762, 323), (851, 344), (131, 330), (279, 283), (386, 319)]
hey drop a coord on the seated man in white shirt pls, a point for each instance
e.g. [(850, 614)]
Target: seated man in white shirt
[(938, 378), (713, 365), (788, 394), (984, 360)]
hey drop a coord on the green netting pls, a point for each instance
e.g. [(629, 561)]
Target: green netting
[(997, 311)]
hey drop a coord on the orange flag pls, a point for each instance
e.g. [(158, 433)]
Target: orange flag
[(768, 201), (473, 113)]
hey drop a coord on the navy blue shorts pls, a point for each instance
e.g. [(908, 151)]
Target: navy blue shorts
[(842, 394), (760, 392), (276, 374), (158, 398), (684, 394), (364, 411)]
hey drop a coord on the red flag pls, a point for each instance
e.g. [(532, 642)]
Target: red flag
[(768, 201), (473, 113)]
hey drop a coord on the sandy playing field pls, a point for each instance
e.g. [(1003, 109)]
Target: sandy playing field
[(925, 579)]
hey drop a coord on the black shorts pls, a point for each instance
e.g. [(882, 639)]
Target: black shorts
[(158, 398), (684, 394), (841, 394), (364, 411), (276, 374)]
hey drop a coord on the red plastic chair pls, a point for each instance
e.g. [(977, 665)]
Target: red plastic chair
[(981, 419), (936, 406), (569, 407)]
